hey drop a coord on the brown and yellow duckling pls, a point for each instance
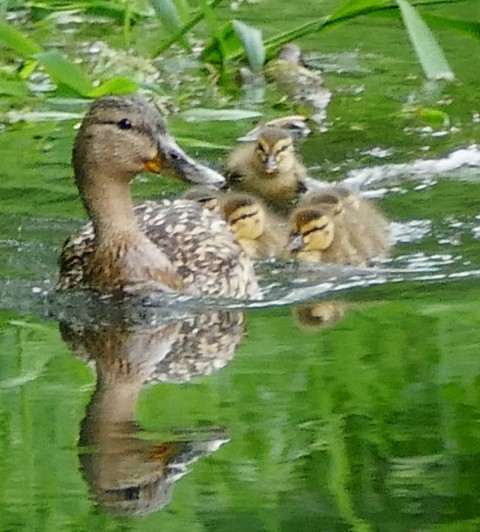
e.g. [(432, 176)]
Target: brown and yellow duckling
[(368, 226), (312, 235), (173, 246), (361, 229), (342, 249), (259, 232), (268, 168), (305, 87)]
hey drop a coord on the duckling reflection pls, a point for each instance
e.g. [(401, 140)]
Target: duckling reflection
[(129, 475), (315, 316)]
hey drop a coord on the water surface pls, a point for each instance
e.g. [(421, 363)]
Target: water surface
[(346, 400)]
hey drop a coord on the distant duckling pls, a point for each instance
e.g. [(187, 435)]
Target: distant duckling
[(268, 168), (312, 235), (259, 232)]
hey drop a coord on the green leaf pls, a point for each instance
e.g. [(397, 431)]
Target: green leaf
[(252, 41), (222, 47), (200, 114), (428, 51), (198, 17), (116, 85), (464, 26), (64, 72), (167, 12), (352, 8), (18, 41), (13, 88)]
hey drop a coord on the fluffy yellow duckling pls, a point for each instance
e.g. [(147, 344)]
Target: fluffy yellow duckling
[(368, 226), (342, 249), (312, 235), (268, 168), (259, 232)]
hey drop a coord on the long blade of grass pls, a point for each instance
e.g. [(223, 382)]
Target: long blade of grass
[(184, 30), (463, 26), (428, 51), (252, 41), (167, 12), (64, 72), (17, 41), (353, 7), (342, 14)]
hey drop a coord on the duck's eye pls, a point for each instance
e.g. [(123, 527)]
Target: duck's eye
[(124, 123), (174, 156)]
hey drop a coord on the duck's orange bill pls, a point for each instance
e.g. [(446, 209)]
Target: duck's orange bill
[(154, 165)]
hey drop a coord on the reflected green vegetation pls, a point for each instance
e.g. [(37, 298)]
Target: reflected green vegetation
[(369, 424)]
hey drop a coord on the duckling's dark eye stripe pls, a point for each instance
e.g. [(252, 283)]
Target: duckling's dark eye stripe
[(321, 228), (283, 148), (243, 217), (206, 199)]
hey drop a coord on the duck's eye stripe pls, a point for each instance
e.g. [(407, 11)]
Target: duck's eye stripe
[(206, 200), (243, 216), (283, 148), (321, 228)]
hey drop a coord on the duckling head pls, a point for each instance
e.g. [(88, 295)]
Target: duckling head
[(328, 200), (292, 53), (246, 217), (347, 196), (274, 152), (121, 136), (312, 232)]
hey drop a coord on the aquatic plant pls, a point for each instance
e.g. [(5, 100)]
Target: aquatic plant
[(227, 44)]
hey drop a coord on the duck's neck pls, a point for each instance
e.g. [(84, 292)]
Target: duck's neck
[(110, 206)]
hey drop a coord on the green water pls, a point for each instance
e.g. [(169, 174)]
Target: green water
[(371, 423)]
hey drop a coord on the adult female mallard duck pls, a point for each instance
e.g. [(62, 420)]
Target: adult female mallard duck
[(173, 246), (268, 168), (261, 234)]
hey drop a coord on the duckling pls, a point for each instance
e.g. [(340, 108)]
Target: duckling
[(259, 231), (171, 246), (342, 249), (304, 86), (367, 225), (268, 168), (312, 234), (315, 316)]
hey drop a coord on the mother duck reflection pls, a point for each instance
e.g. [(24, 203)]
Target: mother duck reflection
[(169, 246)]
